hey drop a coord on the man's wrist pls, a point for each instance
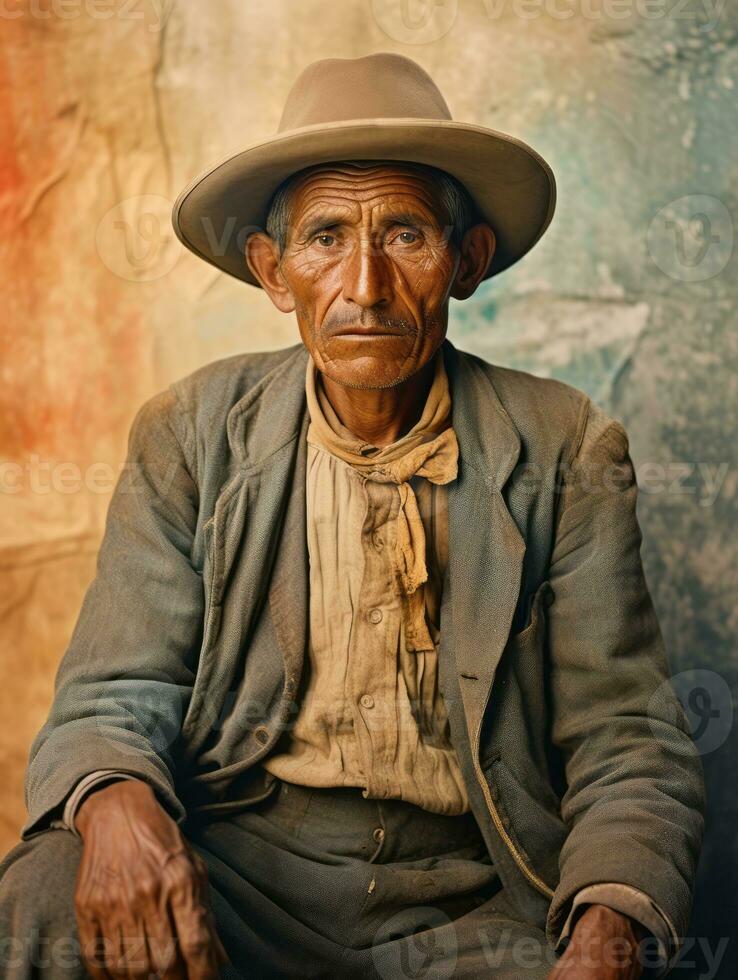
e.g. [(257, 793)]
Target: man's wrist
[(100, 797), (594, 915), (607, 938), (95, 779), (661, 945)]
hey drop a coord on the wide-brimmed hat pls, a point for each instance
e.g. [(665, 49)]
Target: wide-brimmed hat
[(380, 107)]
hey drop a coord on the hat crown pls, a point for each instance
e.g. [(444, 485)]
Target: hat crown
[(378, 86)]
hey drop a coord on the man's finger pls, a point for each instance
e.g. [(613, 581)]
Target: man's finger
[(166, 961), (92, 946), (195, 940), (119, 936), (135, 963)]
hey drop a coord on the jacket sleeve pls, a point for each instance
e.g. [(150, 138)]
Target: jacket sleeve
[(634, 799), (125, 681)]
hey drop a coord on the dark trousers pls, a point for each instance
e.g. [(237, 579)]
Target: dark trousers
[(308, 883)]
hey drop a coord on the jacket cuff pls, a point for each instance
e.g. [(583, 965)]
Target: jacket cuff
[(59, 765), (80, 791), (636, 904)]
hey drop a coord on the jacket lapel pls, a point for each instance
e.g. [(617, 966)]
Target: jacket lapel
[(486, 549), (289, 588), (272, 428), (258, 536)]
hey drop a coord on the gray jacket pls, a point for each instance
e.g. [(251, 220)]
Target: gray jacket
[(185, 664)]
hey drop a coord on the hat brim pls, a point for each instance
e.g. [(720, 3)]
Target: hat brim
[(512, 185)]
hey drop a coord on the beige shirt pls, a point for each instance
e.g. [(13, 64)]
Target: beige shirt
[(371, 714)]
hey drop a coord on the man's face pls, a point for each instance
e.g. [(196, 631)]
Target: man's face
[(369, 268)]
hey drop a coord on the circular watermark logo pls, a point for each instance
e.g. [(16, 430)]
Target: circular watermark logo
[(420, 950), (691, 238), (415, 21), (131, 711), (708, 704), (135, 239)]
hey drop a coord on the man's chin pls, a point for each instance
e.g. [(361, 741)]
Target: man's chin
[(369, 363), (367, 372)]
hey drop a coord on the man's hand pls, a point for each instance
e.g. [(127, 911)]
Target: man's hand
[(141, 898), (603, 946)]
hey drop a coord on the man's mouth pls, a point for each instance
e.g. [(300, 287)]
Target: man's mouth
[(359, 332)]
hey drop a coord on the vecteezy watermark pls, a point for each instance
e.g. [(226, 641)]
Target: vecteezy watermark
[(426, 21), (424, 945), (706, 13), (507, 949), (66, 953), (691, 238), (135, 239), (704, 481), (700, 480), (515, 954), (415, 21), (707, 702), (134, 715), (44, 476), (154, 12)]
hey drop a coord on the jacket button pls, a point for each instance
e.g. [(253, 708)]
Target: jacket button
[(261, 735), (375, 616), (367, 701)]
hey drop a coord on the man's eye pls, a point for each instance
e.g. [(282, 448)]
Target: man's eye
[(325, 240), (408, 237)]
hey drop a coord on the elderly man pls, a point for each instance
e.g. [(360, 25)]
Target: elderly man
[(369, 682)]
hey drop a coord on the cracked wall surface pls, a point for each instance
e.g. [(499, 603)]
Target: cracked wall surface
[(631, 295)]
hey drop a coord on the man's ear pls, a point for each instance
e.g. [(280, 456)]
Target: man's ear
[(262, 258), (476, 253)]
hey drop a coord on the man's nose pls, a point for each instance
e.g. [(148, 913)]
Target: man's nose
[(366, 276)]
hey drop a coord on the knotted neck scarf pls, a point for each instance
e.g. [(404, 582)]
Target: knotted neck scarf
[(429, 450)]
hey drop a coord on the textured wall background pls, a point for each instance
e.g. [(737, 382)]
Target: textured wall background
[(108, 107)]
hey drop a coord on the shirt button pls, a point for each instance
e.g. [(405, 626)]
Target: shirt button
[(375, 616), (378, 835), (367, 701)]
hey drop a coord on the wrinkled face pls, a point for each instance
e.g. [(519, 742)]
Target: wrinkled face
[(369, 267)]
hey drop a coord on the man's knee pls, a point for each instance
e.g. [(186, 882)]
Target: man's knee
[(37, 918)]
